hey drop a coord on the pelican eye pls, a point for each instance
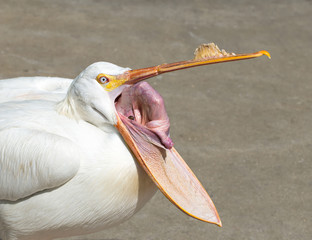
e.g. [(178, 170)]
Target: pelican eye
[(102, 79)]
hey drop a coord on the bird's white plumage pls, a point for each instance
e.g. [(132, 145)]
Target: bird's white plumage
[(32, 152), (23, 88), (62, 161)]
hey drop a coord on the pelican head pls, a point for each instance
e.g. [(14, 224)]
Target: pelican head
[(92, 94), (88, 97)]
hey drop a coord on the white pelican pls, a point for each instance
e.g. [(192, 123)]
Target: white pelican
[(78, 156)]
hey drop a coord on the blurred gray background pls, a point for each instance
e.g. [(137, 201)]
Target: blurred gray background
[(244, 127)]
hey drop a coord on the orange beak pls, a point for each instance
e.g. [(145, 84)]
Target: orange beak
[(165, 166), (136, 75)]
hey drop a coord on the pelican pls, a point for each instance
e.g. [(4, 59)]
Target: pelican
[(78, 156)]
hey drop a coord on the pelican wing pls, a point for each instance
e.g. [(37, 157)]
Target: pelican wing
[(33, 160), (32, 157), (32, 88)]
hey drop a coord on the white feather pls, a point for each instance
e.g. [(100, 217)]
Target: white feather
[(64, 168)]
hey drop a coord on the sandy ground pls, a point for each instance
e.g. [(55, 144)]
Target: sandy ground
[(244, 128)]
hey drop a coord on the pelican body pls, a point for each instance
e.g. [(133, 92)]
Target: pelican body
[(78, 156), (51, 144)]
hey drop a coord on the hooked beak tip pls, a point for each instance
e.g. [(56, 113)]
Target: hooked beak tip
[(266, 53)]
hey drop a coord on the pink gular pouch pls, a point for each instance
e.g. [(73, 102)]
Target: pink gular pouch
[(144, 124)]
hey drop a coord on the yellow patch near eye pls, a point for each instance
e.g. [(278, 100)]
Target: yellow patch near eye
[(102, 79), (109, 82)]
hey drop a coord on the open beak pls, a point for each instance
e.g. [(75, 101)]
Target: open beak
[(165, 166)]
